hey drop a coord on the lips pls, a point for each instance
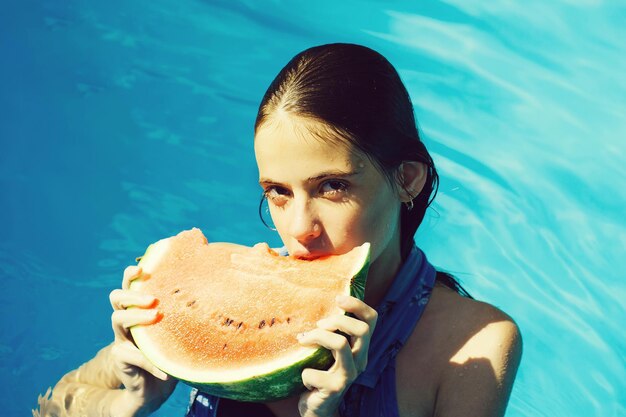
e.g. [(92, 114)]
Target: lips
[(309, 256)]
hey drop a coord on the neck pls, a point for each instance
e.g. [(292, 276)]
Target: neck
[(382, 273)]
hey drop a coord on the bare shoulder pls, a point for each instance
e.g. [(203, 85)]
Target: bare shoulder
[(470, 352), (480, 328), (485, 349)]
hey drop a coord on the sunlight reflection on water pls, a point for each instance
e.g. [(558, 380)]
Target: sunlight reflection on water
[(148, 110)]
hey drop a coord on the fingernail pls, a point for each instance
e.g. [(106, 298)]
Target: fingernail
[(150, 301)]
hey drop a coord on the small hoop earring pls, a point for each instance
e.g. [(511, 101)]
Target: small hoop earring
[(409, 204)]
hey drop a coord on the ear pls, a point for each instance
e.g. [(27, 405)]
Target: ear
[(411, 179)]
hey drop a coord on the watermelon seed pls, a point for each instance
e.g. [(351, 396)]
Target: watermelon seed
[(176, 291), (288, 320), (239, 325), (190, 303), (228, 322), (262, 324), (273, 321), (224, 347)]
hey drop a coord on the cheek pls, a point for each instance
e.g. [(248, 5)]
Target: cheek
[(282, 219), (379, 224), (376, 224), (278, 220)]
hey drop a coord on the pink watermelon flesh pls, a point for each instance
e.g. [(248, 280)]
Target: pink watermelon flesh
[(224, 306)]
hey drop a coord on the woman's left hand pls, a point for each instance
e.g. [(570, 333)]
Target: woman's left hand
[(326, 388)]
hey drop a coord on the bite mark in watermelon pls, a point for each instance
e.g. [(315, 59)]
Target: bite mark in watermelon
[(230, 314)]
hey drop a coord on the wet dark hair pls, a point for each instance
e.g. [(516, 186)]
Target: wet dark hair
[(360, 98)]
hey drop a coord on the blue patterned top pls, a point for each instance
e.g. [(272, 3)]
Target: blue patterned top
[(373, 393)]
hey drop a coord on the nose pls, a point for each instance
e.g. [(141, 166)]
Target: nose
[(305, 226)]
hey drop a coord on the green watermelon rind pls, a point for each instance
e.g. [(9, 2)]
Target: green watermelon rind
[(281, 383)]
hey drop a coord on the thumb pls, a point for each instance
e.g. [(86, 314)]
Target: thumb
[(133, 366)]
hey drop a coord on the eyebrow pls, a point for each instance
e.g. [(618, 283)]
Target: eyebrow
[(318, 177)]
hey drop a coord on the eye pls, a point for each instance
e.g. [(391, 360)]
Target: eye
[(334, 188), (277, 195)]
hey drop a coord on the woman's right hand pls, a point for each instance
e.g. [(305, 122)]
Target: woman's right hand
[(146, 386)]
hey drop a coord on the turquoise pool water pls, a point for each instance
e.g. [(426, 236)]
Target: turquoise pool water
[(124, 122)]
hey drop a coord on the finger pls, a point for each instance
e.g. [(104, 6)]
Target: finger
[(359, 333), (130, 273), (325, 382), (128, 354), (346, 324), (359, 309), (121, 299), (336, 343), (122, 320)]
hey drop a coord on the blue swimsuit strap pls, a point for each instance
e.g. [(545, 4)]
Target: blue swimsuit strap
[(373, 394), (398, 314)]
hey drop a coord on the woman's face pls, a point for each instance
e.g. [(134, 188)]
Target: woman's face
[(325, 197)]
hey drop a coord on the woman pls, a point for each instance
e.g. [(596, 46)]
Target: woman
[(340, 162)]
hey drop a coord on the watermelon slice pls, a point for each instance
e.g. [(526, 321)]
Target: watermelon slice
[(230, 314)]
